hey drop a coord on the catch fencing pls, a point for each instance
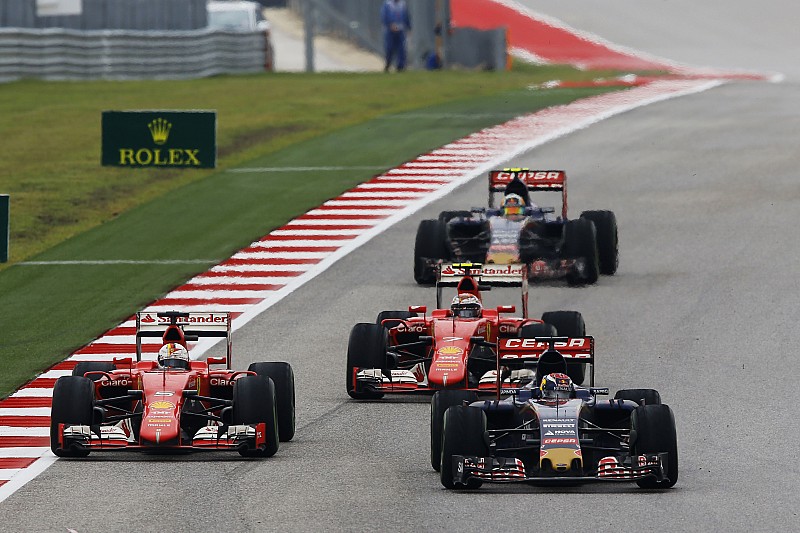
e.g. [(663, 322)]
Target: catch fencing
[(111, 15), (59, 54)]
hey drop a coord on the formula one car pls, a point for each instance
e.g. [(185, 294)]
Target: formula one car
[(551, 432), (174, 404), (453, 347), (518, 231)]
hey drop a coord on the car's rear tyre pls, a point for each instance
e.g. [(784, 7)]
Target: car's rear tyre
[(442, 400), (640, 396), (569, 324), (530, 331), (429, 244), (253, 403), (580, 242), (462, 434), (73, 402), (92, 366), (447, 216), (605, 225), (394, 317), (282, 377), (653, 431), (366, 349)]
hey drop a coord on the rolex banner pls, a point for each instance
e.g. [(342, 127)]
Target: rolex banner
[(165, 139)]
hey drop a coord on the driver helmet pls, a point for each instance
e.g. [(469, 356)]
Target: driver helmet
[(513, 204), (466, 306), (173, 355), (556, 386)]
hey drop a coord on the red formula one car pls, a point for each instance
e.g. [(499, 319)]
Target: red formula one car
[(452, 347), (174, 403)]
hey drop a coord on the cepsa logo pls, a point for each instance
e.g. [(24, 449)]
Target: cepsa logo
[(559, 440), (515, 344), (528, 176)]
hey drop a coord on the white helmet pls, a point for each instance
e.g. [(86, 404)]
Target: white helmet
[(466, 305), (173, 355)]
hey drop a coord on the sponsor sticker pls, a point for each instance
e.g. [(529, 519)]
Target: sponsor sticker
[(512, 344), (450, 350), (559, 440), (124, 382), (162, 404)]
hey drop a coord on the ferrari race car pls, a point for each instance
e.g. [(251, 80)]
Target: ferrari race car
[(174, 403), (518, 231), (550, 432), (452, 347)]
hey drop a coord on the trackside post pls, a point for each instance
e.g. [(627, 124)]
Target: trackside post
[(5, 226)]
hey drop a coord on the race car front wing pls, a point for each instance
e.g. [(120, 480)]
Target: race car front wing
[(108, 438), (512, 470)]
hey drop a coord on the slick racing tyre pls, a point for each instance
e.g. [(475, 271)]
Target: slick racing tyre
[(92, 366), (531, 331), (253, 403), (605, 225), (462, 434), (394, 316), (73, 402), (282, 377), (580, 242), (429, 246), (447, 216), (654, 427), (569, 324), (366, 349), (442, 400), (640, 396)]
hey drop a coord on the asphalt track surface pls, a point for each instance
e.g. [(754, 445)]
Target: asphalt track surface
[(703, 308)]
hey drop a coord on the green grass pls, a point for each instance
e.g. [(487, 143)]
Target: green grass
[(70, 208)]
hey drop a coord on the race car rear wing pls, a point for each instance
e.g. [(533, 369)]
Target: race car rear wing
[(534, 180), (476, 277), (515, 352), (174, 326)]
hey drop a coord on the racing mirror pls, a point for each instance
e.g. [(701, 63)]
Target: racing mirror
[(417, 309), (217, 361), (506, 309)]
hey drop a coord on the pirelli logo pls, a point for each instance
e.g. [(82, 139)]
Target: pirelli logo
[(161, 139)]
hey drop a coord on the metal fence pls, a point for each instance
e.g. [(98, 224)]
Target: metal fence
[(58, 54), (111, 14), (359, 21)]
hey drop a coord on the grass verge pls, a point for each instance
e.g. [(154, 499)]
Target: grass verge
[(49, 311)]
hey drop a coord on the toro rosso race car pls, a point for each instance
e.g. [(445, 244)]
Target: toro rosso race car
[(550, 431), (519, 231), (174, 403), (452, 347)]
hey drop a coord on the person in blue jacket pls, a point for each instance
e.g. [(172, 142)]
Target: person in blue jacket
[(396, 22)]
